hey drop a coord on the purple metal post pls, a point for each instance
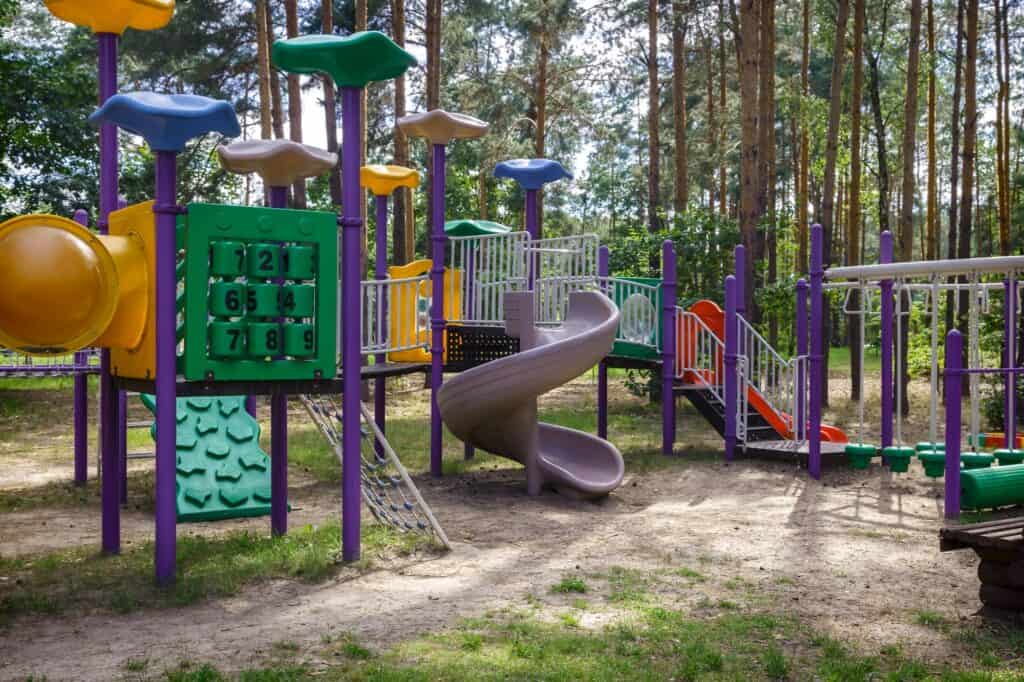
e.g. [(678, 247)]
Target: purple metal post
[(602, 368), (121, 437), (278, 428), (668, 346), (381, 271), (817, 355), (1009, 342), (81, 400), (740, 268), (532, 217), (731, 380), (250, 405), (799, 418), (437, 321), (166, 399), (885, 256), (954, 362), (351, 227), (110, 492)]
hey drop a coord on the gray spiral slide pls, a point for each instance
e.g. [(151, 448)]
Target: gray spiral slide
[(494, 406)]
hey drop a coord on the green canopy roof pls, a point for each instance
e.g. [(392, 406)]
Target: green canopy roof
[(474, 228)]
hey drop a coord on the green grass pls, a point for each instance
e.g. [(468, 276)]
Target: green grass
[(931, 619), (570, 585), (644, 644), (839, 360), (79, 579)]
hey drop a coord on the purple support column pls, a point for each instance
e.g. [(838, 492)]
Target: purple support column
[(81, 401), (954, 361), (351, 226), (121, 437), (437, 321), (602, 368), (817, 355), (668, 346), (110, 462), (1009, 343), (381, 272), (731, 383), (166, 400), (799, 418), (278, 428), (885, 256), (533, 229), (250, 405)]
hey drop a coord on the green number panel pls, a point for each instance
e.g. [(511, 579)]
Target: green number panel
[(261, 290)]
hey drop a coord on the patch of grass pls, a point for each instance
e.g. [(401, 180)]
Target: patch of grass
[(727, 605), (80, 579), (627, 585), (571, 584), (689, 574), (931, 619), (570, 620), (136, 665), (65, 494), (776, 666), (580, 604), (836, 662), (472, 641)]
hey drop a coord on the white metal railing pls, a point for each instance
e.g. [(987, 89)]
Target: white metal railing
[(801, 401), (700, 355), (639, 316), (765, 370), (490, 266), (560, 265), (383, 332)]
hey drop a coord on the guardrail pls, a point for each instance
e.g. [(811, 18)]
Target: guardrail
[(384, 333), (490, 265), (639, 316)]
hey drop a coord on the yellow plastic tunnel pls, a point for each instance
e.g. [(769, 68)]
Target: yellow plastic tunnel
[(65, 288)]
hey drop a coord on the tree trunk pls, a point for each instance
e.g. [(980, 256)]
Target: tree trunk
[(330, 109), (970, 138), (831, 151), (433, 86), (294, 100), (263, 65), (802, 196), (541, 127), (276, 107), (880, 145), (906, 236), (682, 180), (766, 132), (653, 100), (709, 171), (748, 48), (723, 185), (364, 251), (853, 243), (402, 231), (932, 238), (1002, 129), (954, 166)]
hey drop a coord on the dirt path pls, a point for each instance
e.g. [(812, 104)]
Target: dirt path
[(856, 558)]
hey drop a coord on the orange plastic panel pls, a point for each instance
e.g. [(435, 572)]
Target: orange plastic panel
[(114, 16)]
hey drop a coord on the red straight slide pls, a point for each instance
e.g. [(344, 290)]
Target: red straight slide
[(714, 317)]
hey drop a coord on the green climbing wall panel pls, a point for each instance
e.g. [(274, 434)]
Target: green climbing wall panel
[(221, 471)]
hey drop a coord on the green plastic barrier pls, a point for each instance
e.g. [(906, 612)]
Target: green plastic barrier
[(1005, 456), (860, 454), (996, 487)]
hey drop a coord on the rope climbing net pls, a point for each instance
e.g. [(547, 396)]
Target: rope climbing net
[(387, 490)]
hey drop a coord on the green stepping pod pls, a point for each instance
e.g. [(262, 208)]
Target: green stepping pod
[(898, 458), (860, 454), (934, 463), (352, 62), (221, 471), (1005, 456)]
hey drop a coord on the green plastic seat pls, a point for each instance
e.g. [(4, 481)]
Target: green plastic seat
[(977, 460), (352, 61), (925, 446), (860, 454), (898, 457), (1006, 456), (934, 463)]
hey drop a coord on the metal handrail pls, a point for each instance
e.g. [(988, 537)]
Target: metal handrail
[(379, 332)]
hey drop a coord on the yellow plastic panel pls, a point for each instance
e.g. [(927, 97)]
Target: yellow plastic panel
[(403, 307), (135, 228), (114, 16), (60, 285), (383, 180)]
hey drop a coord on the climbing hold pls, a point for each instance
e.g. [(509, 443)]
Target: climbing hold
[(229, 472), (240, 432)]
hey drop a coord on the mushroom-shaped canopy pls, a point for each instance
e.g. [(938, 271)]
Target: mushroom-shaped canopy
[(352, 61), (279, 162), (531, 173), (114, 16), (167, 122), (383, 180), (441, 127), (474, 228)]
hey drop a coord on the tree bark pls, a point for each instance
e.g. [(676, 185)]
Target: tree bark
[(723, 185), (748, 48), (276, 107), (853, 243), (954, 166), (932, 233), (970, 137), (263, 66), (330, 109), (653, 101), (802, 196), (709, 167), (880, 143), (294, 100), (433, 85), (541, 127), (681, 180), (403, 227), (766, 142)]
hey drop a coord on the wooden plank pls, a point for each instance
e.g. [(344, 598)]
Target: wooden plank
[(997, 524)]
